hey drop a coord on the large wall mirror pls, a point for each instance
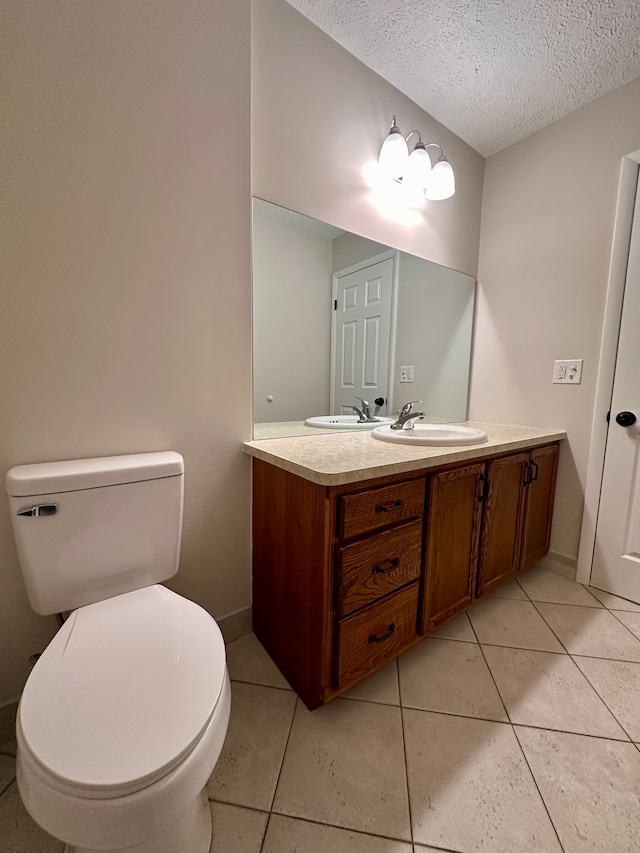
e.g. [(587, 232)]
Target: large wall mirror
[(338, 317)]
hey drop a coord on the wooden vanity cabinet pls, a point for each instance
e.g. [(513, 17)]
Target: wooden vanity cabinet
[(540, 488), (504, 508), (453, 536), (347, 577)]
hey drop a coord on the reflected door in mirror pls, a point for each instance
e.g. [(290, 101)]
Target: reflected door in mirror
[(361, 339)]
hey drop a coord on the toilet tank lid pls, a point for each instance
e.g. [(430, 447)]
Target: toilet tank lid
[(48, 478)]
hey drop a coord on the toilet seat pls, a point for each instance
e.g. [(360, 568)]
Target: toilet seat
[(123, 693)]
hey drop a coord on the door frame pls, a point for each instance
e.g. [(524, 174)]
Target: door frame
[(627, 187), (391, 254)]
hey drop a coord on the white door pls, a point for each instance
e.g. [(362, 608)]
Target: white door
[(361, 337), (616, 560)]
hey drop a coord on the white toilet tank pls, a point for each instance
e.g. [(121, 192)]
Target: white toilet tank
[(90, 529)]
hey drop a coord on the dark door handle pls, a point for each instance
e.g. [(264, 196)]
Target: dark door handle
[(393, 506), (381, 570), (379, 401), (390, 630), (485, 487), (534, 475), (626, 419)]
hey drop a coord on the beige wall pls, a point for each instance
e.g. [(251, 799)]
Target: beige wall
[(125, 293), (433, 333), (319, 116), (547, 224), (291, 320)]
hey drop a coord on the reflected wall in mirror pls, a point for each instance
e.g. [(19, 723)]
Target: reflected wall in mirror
[(337, 316)]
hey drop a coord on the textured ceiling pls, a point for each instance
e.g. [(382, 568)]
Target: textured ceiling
[(493, 71)]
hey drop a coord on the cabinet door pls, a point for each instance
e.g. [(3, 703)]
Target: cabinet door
[(539, 504), (502, 524), (453, 530)]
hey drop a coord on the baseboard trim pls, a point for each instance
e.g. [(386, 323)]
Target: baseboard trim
[(561, 564), (236, 625)]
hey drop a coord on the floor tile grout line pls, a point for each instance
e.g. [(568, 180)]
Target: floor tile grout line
[(284, 751), (588, 682), (239, 806), (317, 822), (4, 790), (404, 752), (495, 683), (548, 625), (512, 723), (535, 782), (602, 699), (266, 829), (586, 608), (613, 613), (597, 606), (261, 684), (275, 787)]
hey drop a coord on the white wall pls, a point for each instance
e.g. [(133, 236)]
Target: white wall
[(319, 116), (433, 333), (350, 249), (547, 224), (125, 289), (291, 321)]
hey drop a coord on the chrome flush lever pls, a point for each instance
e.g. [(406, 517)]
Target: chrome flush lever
[(41, 509)]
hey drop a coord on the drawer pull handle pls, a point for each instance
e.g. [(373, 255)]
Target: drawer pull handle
[(381, 570), (390, 630), (393, 506)]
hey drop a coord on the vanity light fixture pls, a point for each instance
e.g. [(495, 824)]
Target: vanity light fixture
[(414, 170)]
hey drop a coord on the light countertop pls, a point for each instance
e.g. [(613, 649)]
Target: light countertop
[(350, 457)]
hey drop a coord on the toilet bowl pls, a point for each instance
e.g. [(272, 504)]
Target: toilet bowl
[(124, 716), (121, 723)]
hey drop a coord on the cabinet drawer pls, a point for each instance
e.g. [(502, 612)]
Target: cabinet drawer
[(376, 634), (375, 566), (366, 511)]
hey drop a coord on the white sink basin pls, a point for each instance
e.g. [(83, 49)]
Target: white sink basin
[(344, 422), (434, 435)]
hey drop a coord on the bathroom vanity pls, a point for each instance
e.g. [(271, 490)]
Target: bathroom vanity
[(360, 549)]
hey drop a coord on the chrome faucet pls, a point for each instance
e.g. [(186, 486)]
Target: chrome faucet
[(406, 415), (365, 414)]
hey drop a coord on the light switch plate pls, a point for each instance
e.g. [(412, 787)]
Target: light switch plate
[(567, 371), (406, 373)]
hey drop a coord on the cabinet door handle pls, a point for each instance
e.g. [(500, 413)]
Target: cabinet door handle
[(390, 630), (527, 474), (485, 487), (380, 570), (393, 506), (534, 476)]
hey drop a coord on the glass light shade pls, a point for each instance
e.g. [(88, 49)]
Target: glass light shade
[(418, 170), (442, 183), (394, 155)]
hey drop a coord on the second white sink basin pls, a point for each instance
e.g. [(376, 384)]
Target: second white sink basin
[(434, 435), (344, 422)]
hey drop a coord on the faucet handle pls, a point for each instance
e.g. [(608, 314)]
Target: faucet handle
[(408, 407), (364, 402)]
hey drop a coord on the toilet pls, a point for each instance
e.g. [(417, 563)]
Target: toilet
[(123, 718)]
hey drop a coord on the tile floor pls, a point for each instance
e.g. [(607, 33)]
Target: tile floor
[(515, 729)]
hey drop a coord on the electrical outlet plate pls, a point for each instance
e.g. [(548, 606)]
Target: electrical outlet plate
[(406, 373), (567, 371)]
